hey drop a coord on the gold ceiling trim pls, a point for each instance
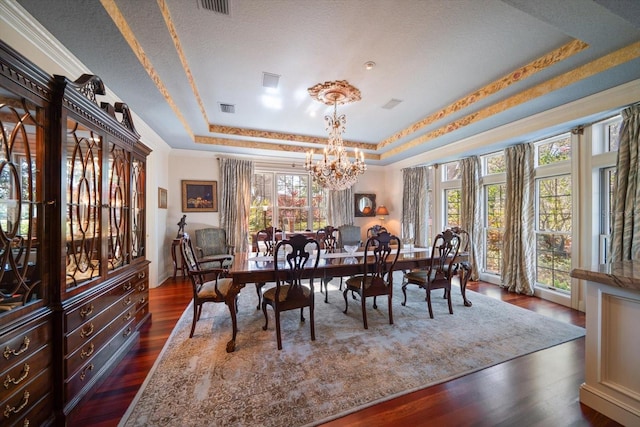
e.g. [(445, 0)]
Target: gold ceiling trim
[(590, 69), (166, 15), (260, 145), (515, 76), (118, 19), (292, 137)]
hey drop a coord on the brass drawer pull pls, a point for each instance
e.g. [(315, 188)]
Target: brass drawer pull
[(14, 410), (143, 300), (142, 287), (87, 353), (86, 332), (127, 332), (86, 311), (126, 301), (142, 275), (127, 286), (127, 317), (25, 373), (84, 372), (25, 345)]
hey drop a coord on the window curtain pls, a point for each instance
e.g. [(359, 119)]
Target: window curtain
[(471, 209), (340, 207), (625, 225), (235, 201), (415, 204), (518, 243)]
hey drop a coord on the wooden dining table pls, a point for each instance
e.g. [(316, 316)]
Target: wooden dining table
[(251, 267)]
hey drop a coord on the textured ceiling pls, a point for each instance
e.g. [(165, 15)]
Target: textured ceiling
[(459, 67)]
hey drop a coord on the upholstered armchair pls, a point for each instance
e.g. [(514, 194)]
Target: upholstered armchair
[(349, 235), (212, 247)]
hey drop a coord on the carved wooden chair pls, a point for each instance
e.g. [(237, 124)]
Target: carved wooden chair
[(328, 238), (377, 279), (441, 269), (209, 285), (298, 257), (268, 237), (375, 230)]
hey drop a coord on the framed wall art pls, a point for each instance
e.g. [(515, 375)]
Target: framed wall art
[(365, 204), (199, 196), (162, 198)]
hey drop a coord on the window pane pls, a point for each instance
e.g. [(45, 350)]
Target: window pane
[(612, 136), (495, 164), (494, 226), (554, 151), (553, 260), (554, 204), (451, 171), (452, 207), (493, 256)]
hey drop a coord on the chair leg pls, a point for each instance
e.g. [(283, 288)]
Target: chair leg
[(313, 324), (259, 292), (302, 314), (278, 336), (326, 281), (266, 318), (449, 301), (195, 319), (429, 303), (390, 310), (375, 306), (346, 300), (404, 292), (364, 311)]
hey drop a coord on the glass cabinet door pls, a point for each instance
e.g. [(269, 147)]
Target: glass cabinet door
[(137, 208), (83, 243), (21, 136), (118, 199)]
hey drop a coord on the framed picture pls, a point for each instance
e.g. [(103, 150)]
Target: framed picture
[(162, 198), (365, 204), (199, 196)]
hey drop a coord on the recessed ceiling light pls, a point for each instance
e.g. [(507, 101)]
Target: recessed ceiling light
[(369, 65), (270, 80)]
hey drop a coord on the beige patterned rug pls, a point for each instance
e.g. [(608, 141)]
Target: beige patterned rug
[(196, 383)]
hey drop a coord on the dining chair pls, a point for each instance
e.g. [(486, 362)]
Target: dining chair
[(298, 258), (269, 237), (440, 271), (328, 239), (375, 230), (349, 235), (377, 279), (208, 285), (212, 247)]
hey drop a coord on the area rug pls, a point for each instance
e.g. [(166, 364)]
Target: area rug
[(195, 382)]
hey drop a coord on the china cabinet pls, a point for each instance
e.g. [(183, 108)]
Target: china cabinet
[(74, 287)]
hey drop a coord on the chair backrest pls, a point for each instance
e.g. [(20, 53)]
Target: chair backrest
[(377, 251), (196, 274), (328, 237), (211, 241), (268, 236), (446, 246), (296, 255), (349, 235), (465, 239)]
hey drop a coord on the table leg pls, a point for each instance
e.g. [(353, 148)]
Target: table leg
[(232, 302), (465, 273)]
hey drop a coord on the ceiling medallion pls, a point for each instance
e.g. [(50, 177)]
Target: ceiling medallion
[(334, 170)]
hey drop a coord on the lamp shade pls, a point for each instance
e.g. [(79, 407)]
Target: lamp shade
[(382, 210)]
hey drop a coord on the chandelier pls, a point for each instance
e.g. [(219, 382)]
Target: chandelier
[(334, 170)]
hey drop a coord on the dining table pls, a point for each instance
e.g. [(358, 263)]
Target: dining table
[(252, 267)]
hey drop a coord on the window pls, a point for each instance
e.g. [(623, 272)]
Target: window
[(553, 150), (553, 232), (607, 183), (452, 207), (298, 204), (493, 164), (494, 199), (605, 135)]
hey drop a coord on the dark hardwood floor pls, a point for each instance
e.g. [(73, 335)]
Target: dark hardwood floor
[(537, 389)]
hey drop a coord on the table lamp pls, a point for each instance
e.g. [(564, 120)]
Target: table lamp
[(382, 211)]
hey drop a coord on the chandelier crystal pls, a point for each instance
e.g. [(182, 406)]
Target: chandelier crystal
[(334, 170)]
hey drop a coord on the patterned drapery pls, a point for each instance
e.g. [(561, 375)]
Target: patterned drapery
[(235, 201), (625, 224), (415, 204), (518, 241), (471, 209), (340, 208)]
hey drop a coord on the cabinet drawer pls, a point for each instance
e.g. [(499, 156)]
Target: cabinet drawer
[(91, 309), (95, 344), (22, 372), (40, 414), (86, 331), (20, 403), (95, 365), (22, 343)]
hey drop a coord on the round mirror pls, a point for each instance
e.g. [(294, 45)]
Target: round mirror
[(365, 204)]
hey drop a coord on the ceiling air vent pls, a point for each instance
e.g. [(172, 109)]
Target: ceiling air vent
[(227, 108), (218, 6), (391, 104), (270, 80)]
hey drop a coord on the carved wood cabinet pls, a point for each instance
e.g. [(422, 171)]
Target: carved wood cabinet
[(74, 289)]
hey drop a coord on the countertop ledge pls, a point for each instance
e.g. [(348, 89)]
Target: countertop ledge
[(623, 274)]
